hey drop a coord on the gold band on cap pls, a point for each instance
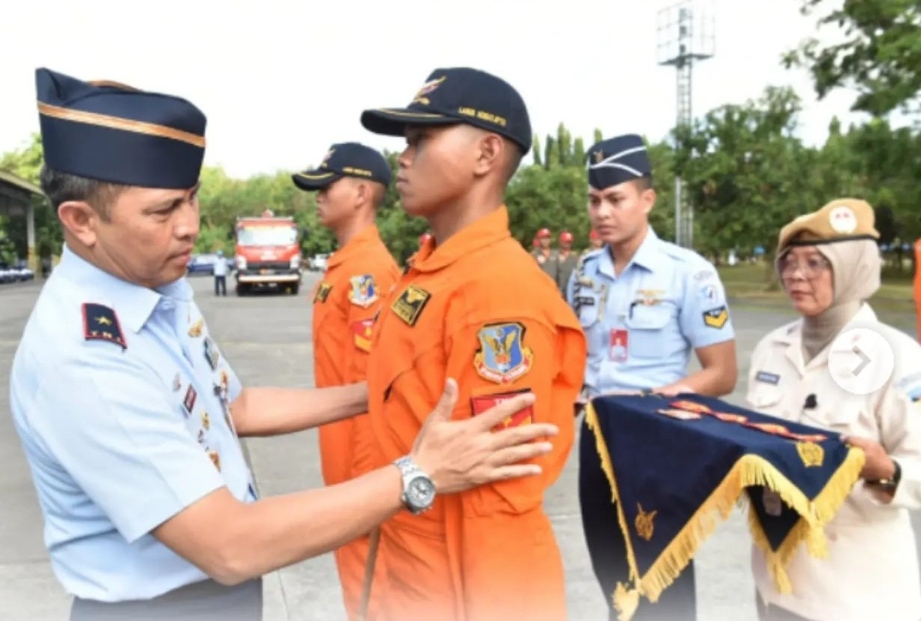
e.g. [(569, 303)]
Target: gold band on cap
[(114, 122), (314, 177), (112, 84)]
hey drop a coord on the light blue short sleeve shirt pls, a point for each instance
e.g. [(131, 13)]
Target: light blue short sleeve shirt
[(120, 398), (643, 324)]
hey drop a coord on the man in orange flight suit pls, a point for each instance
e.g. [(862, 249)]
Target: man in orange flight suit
[(350, 185), (473, 305)]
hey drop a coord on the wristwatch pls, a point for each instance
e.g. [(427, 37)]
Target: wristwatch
[(893, 483), (418, 488)]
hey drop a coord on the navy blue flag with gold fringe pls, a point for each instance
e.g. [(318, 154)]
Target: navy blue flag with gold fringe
[(678, 465)]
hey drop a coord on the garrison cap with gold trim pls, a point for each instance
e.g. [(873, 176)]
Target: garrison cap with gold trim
[(843, 219), (116, 133), (617, 160), (459, 95), (347, 159)]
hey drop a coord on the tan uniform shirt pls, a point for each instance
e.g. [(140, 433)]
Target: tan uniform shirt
[(871, 571)]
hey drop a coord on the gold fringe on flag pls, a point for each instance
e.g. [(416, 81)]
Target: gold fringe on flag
[(749, 471)]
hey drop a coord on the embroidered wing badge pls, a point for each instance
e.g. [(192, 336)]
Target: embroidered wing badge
[(502, 357)]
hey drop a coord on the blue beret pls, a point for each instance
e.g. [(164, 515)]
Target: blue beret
[(617, 160), (118, 134), (459, 95), (346, 159)]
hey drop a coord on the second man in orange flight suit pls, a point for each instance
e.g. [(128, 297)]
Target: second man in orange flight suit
[(350, 183), (473, 305)]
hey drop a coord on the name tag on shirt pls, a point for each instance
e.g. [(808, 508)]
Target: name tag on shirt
[(617, 347), (767, 378)]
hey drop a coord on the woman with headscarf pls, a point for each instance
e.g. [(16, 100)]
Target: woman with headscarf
[(831, 369)]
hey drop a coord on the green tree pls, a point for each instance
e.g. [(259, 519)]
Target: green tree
[(880, 55)]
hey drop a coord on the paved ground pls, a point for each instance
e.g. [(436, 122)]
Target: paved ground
[(267, 340)]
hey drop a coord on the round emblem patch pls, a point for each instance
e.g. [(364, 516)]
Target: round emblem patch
[(843, 220)]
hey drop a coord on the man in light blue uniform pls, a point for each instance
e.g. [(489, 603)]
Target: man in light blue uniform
[(645, 304), (128, 412)]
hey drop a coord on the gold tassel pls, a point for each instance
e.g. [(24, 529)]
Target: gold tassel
[(625, 602), (748, 471)]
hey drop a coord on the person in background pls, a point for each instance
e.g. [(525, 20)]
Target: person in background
[(829, 265), (220, 274), (351, 183), (567, 261), (594, 241), (546, 257)]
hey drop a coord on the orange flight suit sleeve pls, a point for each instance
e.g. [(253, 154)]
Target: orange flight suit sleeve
[(505, 548)]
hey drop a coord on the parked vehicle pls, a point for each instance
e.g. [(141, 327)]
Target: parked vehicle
[(268, 253)]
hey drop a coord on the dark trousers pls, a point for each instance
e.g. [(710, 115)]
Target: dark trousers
[(202, 601), (608, 549), (220, 283)]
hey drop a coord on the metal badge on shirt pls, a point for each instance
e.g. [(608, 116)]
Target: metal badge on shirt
[(211, 353)]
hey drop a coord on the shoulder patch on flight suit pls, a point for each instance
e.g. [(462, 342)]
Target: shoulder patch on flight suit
[(502, 356), (410, 304), (364, 291), (322, 293), (716, 317), (100, 323), (361, 331), (481, 403)]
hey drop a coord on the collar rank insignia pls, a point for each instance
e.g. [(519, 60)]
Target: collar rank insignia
[(409, 305), (716, 317), (502, 357), (100, 323), (322, 293), (197, 327), (364, 291)]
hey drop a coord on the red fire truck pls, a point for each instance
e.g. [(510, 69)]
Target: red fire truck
[(267, 253)]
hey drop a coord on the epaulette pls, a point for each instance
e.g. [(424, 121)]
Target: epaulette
[(589, 255), (100, 323)]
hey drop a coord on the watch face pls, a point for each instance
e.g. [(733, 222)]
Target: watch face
[(421, 492)]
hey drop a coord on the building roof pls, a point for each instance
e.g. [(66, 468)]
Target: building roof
[(11, 179)]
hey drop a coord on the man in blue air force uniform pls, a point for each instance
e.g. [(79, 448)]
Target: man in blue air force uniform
[(645, 305), (129, 413)]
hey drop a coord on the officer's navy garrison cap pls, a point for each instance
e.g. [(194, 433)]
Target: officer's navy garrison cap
[(116, 133), (617, 160), (346, 159), (459, 95)]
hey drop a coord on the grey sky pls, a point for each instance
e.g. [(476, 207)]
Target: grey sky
[(280, 80)]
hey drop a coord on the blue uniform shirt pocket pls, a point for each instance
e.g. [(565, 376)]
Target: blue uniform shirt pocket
[(647, 330)]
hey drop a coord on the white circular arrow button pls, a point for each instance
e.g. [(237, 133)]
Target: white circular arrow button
[(860, 361)]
